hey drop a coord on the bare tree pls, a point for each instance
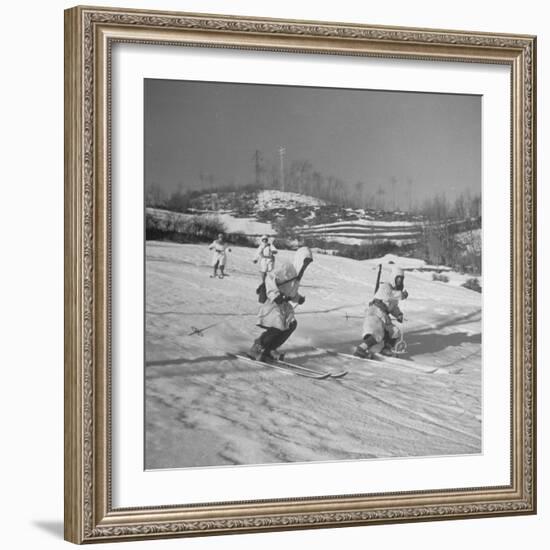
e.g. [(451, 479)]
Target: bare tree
[(381, 198), (154, 195)]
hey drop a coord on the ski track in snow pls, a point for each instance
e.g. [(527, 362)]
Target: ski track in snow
[(205, 409)]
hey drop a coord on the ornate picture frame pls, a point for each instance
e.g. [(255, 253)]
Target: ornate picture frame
[(90, 34)]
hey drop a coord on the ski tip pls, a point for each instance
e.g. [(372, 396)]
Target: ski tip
[(239, 355)]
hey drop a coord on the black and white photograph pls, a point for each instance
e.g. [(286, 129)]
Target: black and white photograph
[(313, 274)]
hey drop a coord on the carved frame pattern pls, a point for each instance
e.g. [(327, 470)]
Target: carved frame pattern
[(88, 512)]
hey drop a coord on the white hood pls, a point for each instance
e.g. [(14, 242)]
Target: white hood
[(287, 271), (396, 271)]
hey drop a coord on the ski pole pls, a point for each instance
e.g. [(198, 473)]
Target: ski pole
[(377, 286), (401, 346)]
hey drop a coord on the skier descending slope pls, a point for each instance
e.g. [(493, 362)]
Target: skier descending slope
[(219, 255), (266, 256), (378, 326), (276, 315)]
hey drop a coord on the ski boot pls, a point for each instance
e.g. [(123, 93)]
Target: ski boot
[(387, 351), (257, 352), (363, 351), (277, 355), (389, 347)]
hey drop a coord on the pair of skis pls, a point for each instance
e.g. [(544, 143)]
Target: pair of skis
[(380, 360), (291, 368)]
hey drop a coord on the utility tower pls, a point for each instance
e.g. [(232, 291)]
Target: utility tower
[(257, 167), (282, 152)]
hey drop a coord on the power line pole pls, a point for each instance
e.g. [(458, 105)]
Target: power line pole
[(409, 181), (257, 167), (282, 152)]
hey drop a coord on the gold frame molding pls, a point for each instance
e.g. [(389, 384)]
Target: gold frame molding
[(89, 35)]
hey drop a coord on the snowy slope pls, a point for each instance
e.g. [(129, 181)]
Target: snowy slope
[(204, 409), (248, 226)]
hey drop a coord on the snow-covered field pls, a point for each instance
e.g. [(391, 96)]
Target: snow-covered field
[(205, 409), (422, 270)]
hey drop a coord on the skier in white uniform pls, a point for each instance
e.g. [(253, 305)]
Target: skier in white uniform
[(276, 315), (378, 326), (265, 255), (219, 255)]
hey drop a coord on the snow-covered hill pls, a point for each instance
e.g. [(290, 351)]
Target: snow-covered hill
[(257, 213), (203, 408), (265, 212), (273, 198)]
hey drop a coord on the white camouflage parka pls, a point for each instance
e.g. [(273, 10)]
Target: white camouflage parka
[(377, 320), (282, 280)]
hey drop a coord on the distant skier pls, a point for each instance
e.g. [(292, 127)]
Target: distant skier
[(276, 315), (266, 256), (378, 326), (219, 255)]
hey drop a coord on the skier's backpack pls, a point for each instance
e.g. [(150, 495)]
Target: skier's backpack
[(262, 294)]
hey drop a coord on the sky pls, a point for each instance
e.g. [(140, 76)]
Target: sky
[(214, 129)]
